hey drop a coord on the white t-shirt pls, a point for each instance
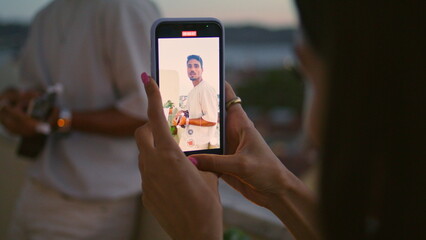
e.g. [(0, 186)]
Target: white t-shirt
[(202, 103), (97, 50)]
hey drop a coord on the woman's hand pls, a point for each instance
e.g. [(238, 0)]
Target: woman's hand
[(254, 170), (184, 200)]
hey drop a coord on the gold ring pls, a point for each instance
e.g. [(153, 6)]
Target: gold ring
[(233, 101)]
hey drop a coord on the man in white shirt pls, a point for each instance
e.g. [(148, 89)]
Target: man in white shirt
[(202, 105), (84, 184)]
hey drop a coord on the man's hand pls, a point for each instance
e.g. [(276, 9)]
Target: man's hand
[(16, 121), (179, 119), (13, 112), (9, 97), (13, 116), (15, 97), (182, 121)]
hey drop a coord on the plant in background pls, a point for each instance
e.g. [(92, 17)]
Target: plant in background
[(170, 105), (270, 89)]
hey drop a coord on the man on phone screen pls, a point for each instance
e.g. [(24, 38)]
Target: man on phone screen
[(202, 105)]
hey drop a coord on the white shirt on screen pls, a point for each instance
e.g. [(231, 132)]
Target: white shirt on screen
[(202, 103)]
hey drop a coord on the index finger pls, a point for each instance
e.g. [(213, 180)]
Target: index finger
[(229, 95), (229, 92), (158, 123), (236, 110)]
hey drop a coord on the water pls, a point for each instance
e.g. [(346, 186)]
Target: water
[(5, 56), (260, 56), (237, 56)]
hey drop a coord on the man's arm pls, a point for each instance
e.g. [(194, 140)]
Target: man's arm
[(108, 121), (201, 122), (198, 122)]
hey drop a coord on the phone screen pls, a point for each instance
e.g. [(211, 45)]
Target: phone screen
[(189, 72)]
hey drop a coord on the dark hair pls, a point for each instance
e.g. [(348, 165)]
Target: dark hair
[(196, 57), (373, 153)]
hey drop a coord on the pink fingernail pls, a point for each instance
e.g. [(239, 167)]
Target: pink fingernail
[(193, 160), (145, 78)]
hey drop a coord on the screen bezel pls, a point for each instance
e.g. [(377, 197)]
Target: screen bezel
[(205, 27)]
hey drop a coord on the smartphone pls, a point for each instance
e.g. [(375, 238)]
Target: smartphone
[(187, 63), (39, 108)]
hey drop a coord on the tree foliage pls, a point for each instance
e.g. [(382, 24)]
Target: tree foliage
[(273, 88)]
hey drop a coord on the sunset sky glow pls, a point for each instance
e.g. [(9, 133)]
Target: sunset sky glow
[(267, 13)]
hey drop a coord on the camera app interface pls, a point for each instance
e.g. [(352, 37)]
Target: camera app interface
[(189, 76)]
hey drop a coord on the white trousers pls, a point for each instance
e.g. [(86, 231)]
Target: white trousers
[(43, 213)]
